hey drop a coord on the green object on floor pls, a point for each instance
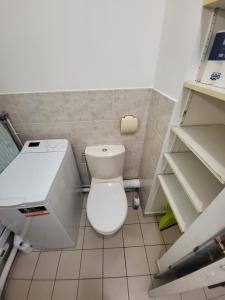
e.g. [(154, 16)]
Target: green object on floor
[(168, 219)]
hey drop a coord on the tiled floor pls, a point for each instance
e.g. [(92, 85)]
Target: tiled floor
[(116, 268)]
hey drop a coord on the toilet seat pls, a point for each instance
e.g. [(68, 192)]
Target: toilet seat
[(107, 207)]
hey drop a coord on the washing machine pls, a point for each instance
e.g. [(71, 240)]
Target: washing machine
[(40, 195)]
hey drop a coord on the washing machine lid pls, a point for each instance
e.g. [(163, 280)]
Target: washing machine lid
[(28, 178), (107, 207)]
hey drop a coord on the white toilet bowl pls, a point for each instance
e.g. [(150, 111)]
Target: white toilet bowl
[(107, 201), (107, 207)]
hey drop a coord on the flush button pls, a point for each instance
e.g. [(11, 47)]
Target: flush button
[(104, 149)]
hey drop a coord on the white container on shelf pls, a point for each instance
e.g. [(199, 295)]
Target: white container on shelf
[(214, 73)]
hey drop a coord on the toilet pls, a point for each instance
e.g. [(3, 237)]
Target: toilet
[(107, 201)]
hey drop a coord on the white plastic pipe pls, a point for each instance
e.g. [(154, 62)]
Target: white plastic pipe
[(6, 269), (131, 184), (128, 184)]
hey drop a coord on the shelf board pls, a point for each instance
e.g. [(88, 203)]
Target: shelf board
[(180, 204), (214, 3), (199, 184), (206, 89), (207, 142)]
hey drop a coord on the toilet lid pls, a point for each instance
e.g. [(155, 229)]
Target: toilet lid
[(107, 207)]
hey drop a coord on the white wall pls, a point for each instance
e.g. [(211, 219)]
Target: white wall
[(49, 45), (184, 30)]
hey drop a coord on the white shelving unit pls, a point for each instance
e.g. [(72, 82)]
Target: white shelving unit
[(214, 4), (196, 188), (209, 90), (208, 144), (179, 202), (199, 184)]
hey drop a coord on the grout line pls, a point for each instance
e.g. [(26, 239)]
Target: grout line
[(125, 266), (32, 277), (151, 275), (71, 250), (78, 283), (103, 249), (87, 278), (126, 224), (205, 293), (13, 266), (145, 251), (56, 273)]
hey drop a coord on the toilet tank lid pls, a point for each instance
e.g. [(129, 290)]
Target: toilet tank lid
[(104, 151)]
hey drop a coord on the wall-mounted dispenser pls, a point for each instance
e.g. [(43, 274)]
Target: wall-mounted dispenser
[(128, 125)]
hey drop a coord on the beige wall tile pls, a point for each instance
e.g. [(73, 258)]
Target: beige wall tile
[(51, 107), (6, 105), (104, 132), (132, 162), (159, 115), (46, 131), (163, 112), (85, 118), (79, 152), (81, 133), (100, 105), (156, 147), (138, 100)]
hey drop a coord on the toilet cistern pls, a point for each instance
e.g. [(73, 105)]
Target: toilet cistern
[(107, 202)]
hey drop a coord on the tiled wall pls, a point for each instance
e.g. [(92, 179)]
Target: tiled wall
[(160, 112), (85, 118)]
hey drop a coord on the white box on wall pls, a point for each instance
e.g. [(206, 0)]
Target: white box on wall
[(214, 73)]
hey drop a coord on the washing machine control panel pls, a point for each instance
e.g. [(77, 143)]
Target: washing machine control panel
[(40, 146)]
